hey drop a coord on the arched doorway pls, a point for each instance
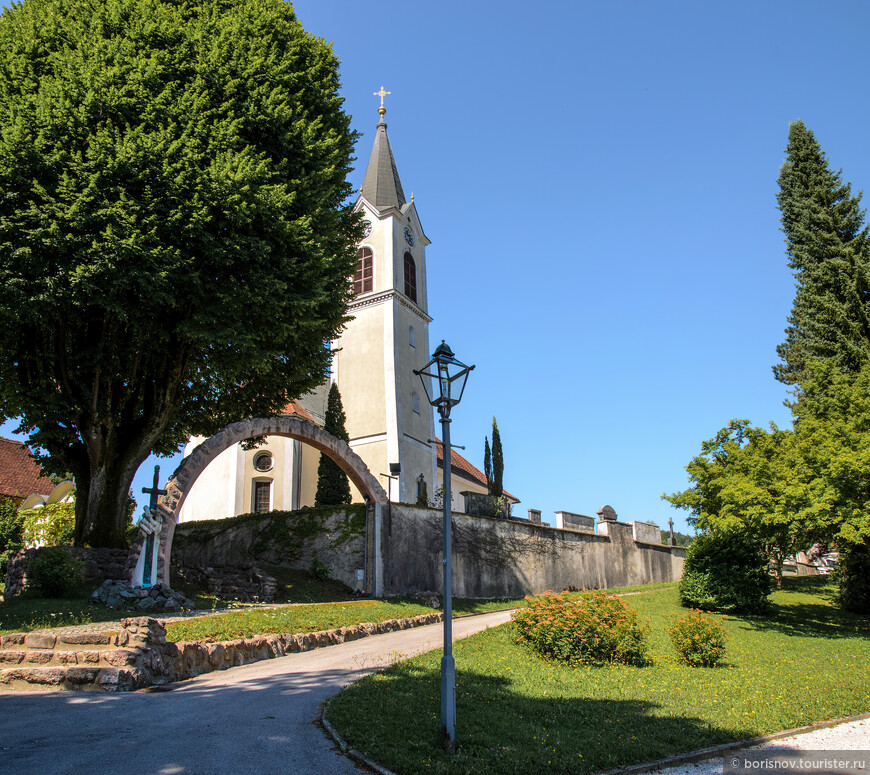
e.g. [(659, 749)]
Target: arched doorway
[(180, 483)]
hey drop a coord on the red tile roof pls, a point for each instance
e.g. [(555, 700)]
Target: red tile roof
[(459, 465), (294, 408), (20, 474)]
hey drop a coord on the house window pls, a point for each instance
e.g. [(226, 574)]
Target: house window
[(410, 278), (412, 336), (362, 279), (415, 402), (262, 496)]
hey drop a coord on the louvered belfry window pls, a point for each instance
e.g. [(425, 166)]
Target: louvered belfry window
[(362, 279), (410, 278)]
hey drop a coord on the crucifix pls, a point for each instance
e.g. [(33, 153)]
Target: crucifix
[(154, 491), (671, 525), (381, 94)]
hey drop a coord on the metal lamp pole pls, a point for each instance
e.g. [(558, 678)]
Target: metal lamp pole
[(450, 375), (448, 664)]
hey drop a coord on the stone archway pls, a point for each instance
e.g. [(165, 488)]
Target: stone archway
[(181, 482)]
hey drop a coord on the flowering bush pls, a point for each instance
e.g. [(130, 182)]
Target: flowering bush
[(594, 628), (699, 639)]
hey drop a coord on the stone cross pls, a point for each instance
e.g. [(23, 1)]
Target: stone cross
[(671, 525), (151, 523)]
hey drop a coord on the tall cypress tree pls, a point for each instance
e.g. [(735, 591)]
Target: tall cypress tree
[(497, 463), (487, 464), (333, 488), (827, 248)]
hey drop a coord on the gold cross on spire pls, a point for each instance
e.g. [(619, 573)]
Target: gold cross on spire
[(381, 94)]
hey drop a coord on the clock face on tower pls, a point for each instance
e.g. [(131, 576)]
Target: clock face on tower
[(367, 228), (409, 236)]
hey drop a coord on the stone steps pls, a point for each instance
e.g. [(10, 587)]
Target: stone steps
[(71, 660)]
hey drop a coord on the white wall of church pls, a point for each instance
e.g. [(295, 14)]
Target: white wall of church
[(213, 495), (226, 487)]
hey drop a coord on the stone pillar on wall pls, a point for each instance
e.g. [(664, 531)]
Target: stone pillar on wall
[(646, 532), (535, 516), (566, 520)]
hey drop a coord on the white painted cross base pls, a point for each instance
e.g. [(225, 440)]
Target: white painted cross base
[(151, 524)]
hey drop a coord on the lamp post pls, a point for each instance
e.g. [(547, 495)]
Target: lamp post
[(449, 375)]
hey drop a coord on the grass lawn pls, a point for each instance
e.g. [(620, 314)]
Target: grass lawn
[(517, 713), (23, 614), (246, 623), (298, 618)]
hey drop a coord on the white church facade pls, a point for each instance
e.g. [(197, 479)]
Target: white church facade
[(389, 421)]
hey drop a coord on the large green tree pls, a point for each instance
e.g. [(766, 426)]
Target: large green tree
[(827, 248), (752, 482), (175, 228), (333, 488)]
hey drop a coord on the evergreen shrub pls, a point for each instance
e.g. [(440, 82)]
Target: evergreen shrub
[(699, 639), (319, 569), (725, 572), (853, 579), (54, 572), (594, 628), (11, 528)]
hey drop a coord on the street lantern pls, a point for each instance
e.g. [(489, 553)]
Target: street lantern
[(444, 379), (446, 374)]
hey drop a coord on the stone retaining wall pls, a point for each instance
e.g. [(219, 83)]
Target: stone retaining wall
[(100, 564), (138, 655)]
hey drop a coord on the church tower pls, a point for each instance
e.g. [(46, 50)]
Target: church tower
[(389, 420)]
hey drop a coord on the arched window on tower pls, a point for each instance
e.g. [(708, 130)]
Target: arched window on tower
[(410, 278), (362, 279), (412, 336)]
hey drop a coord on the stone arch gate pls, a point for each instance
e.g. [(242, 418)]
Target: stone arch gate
[(181, 482)]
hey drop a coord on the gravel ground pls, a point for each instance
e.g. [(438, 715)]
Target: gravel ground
[(848, 736)]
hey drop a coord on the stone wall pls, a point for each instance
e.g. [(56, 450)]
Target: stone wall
[(230, 552), (100, 564), (511, 558), (140, 656)]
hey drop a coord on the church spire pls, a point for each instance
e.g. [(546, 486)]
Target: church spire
[(381, 186)]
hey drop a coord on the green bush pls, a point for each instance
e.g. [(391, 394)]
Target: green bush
[(11, 527), (51, 525), (319, 569), (698, 639), (853, 578), (54, 572), (594, 628), (725, 572)]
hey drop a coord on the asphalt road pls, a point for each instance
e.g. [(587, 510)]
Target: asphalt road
[(257, 718)]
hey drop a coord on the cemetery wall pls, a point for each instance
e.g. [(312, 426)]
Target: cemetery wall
[(511, 557), (206, 550), (99, 565)]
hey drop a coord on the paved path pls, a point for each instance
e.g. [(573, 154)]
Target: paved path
[(257, 718), (849, 736)]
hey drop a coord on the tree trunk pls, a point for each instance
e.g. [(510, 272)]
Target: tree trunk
[(103, 492), (103, 522)]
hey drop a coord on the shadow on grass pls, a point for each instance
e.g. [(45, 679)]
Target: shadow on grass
[(28, 611), (501, 730), (811, 619)]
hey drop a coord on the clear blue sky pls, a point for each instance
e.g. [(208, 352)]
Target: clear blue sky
[(599, 184)]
